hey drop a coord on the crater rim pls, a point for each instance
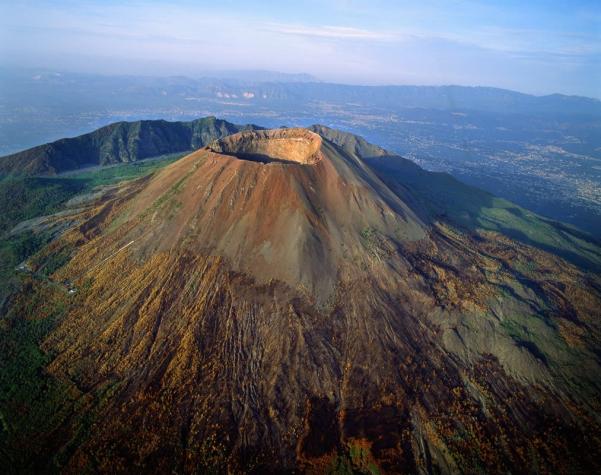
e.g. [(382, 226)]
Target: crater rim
[(286, 145)]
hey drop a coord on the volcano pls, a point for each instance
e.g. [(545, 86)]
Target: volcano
[(299, 300)]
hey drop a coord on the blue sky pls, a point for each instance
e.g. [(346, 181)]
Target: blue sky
[(533, 46)]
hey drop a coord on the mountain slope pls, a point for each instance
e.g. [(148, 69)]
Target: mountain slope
[(471, 208), (116, 143), (277, 301)]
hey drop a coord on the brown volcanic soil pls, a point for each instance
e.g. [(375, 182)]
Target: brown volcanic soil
[(277, 220), (292, 312)]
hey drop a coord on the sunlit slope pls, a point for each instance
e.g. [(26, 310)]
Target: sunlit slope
[(447, 199)]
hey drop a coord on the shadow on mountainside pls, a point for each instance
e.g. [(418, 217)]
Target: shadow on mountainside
[(258, 158), (447, 199)]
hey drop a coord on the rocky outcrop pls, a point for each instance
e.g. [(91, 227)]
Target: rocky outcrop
[(278, 145)]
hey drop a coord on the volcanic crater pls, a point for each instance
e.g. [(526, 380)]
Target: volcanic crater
[(288, 146)]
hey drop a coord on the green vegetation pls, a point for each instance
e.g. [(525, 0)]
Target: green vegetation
[(168, 201), (13, 251), (31, 401), (120, 142), (29, 197), (369, 239), (356, 460), (55, 261), (169, 198), (123, 172), (341, 465), (540, 337), (361, 456), (23, 198)]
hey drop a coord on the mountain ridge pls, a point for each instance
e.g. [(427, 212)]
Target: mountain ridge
[(119, 142)]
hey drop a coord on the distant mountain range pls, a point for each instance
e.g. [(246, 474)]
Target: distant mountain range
[(543, 153), (259, 75), (257, 88)]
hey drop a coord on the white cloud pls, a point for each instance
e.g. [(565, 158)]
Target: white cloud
[(418, 44), (334, 32)]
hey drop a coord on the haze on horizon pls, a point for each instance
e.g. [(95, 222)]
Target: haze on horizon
[(538, 47)]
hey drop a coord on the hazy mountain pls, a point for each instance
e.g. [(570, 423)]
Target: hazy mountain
[(261, 86), (261, 76), (301, 300)]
